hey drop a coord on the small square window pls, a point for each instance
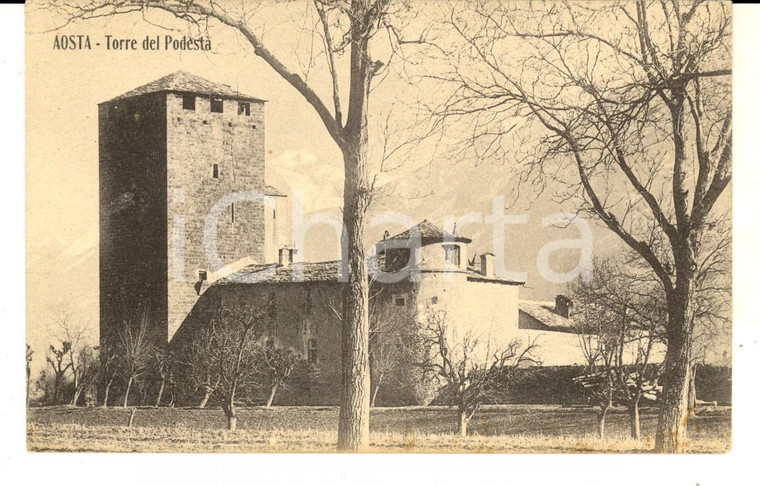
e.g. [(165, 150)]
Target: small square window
[(312, 354), (434, 300), (217, 105), (202, 275), (244, 108), (399, 300), (188, 102), (216, 171)]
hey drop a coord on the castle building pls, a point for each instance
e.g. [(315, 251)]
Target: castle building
[(415, 274), (182, 198), (188, 227)]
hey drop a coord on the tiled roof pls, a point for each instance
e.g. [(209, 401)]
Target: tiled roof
[(272, 191), (429, 233), (275, 273), (319, 272), (184, 82), (474, 276), (545, 313)]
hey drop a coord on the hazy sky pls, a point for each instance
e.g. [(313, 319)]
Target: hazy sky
[(64, 88)]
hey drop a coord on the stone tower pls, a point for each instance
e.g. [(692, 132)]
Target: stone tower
[(182, 199)]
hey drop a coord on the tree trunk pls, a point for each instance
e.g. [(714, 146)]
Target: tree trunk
[(602, 417), (693, 391), (674, 407), (56, 390), (131, 417), (77, 393), (635, 420), (126, 393), (205, 399), (374, 395), (143, 394), (353, 423), (229, 411), (160, 393), (105, 393), (271, 395), (463, 421)]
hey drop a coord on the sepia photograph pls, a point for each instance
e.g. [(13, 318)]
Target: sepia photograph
[(379, 226)]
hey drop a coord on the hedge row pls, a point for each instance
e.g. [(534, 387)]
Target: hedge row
[(553, 385)]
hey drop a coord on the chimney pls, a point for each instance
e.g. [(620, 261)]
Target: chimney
[(486, 265), (286, 255), (564, 306)]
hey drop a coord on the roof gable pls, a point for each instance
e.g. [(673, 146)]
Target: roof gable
[(184, 82), (428, 233)]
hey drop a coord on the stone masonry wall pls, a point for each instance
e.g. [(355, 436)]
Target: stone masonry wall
[(132, 165), (199, 203)]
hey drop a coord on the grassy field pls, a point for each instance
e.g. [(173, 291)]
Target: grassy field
[(516, 428)]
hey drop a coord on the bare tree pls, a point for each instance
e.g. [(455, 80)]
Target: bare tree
[(44, 385), (57, 360), (345, 29), (79, 355), (164, 361), (470, 369), (234, 335), (87, 371), (134, 353), (388, 351), (619, 319), (278, 364), (29, 356), (384, 358), (198, 371), (628, 108), (109, 369)]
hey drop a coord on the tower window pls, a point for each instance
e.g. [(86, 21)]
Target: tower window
[(451, 254), (217, 105), (216, 171), (232, 212), (188, 102), (396, 259), (399, 300), (312, 352), (244, 108), (274, 214), (202, 275), (434, 300), (307, 302)]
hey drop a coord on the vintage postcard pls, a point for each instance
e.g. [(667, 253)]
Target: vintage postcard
[(379, 226)]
